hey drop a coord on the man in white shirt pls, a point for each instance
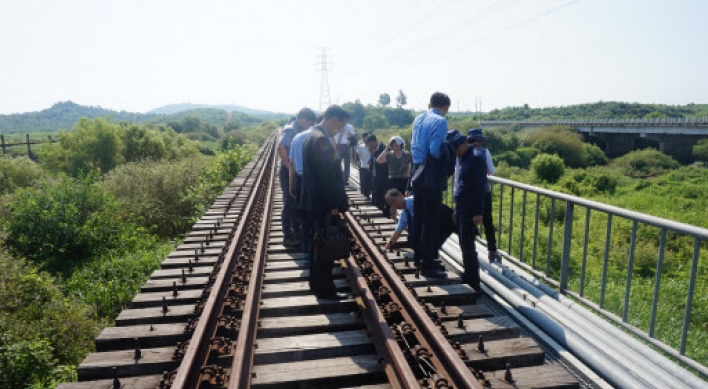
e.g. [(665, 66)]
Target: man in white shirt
[(342, 140), (362, 156)]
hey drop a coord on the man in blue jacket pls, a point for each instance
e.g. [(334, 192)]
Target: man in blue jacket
[(469, 203), (429, 131)]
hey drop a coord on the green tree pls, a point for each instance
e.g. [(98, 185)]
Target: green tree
[(645, 163), (700, 150), (401, 100), (92, 145), (63, 221), (560, 140), (548, 167), (357, 112), (18, 173), (384, 99), (375, 121)]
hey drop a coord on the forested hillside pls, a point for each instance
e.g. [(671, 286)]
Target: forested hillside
[(64, 116), (599, 110)]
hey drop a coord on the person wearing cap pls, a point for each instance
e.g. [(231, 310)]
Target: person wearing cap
[(476, 139), (362, 157), (469, 203), (289, 214), (429, 130), (379, 172)]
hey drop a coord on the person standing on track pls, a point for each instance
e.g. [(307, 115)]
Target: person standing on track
[(380, 174), (475, 137), (289, 215), (362, 156), (323, 194), (296, 188), (343, 142), (429, 130), (399, 165), (469, 203)]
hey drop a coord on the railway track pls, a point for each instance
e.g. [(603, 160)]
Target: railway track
[(231, 308)]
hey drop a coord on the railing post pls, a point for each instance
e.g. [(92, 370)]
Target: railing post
[(567, 236), (29, 150), (2, 141)]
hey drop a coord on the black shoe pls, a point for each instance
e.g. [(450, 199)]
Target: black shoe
[(433, 273), (333, 296)]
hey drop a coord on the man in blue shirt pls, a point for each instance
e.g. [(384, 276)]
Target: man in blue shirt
[(469, 203), (304, 119), (429, 130), (295, 182)]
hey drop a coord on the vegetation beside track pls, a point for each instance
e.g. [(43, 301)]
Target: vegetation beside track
[(83, 229)]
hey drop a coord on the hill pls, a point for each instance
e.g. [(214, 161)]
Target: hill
[(176, 108), (64, 115)]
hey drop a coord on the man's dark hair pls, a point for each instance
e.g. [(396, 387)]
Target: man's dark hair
[(364, 135), (336, 111), (307, 113), (393, 192), (370, 138), (440, 100)]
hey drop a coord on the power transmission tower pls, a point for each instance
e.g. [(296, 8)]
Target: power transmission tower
[(324, 84)]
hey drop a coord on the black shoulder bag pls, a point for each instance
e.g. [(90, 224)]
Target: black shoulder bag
[(333, 239)]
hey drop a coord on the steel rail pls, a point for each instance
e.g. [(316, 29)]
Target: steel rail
[(397, 369), (449, 365), (242, 364), (188, 372)]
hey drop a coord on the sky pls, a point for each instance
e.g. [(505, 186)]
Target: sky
[(137, 55)]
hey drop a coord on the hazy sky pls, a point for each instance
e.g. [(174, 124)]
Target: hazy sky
[(139, 55)]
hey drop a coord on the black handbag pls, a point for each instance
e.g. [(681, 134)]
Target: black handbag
[(333, 240)]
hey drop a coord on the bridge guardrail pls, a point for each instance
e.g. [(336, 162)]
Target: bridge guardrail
[(700, 121), (566, 269)]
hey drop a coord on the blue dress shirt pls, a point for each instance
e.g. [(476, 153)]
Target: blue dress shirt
[(296, 150), (403, 221), (429, 130)]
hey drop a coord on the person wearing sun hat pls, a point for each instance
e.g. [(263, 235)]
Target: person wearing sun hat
[(469, 203), (399, 163), (477, 139)]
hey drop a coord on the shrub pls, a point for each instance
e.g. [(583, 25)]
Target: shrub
[(64, 221), (39, 326), (92, 145), (548, 168), (594, 155), (585, 183), (645, 163), (18, 173), (561, 141), (154, 195)]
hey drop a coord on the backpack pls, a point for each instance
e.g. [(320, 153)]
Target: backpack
[(448, 156)]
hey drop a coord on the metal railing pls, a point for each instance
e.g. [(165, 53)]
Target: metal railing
[(552, 240), (699, 121)]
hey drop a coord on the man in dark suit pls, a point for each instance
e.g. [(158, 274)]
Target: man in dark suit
[(469, 203), (379, 172), (323, 194)]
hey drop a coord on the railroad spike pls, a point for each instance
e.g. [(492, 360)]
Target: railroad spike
[(443, 309), (191, 269), (137, 355), (460, 322), (164, 305), (507, 374), (417, 273), (196, 255), (116, 382), (480, 345), (174, 288), (184, 277)]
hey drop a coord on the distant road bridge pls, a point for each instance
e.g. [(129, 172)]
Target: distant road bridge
[(673, 136)]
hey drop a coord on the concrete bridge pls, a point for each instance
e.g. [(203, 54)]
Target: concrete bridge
[(673, 136)]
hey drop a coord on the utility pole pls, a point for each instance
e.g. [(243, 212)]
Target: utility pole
[(324, 83)]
